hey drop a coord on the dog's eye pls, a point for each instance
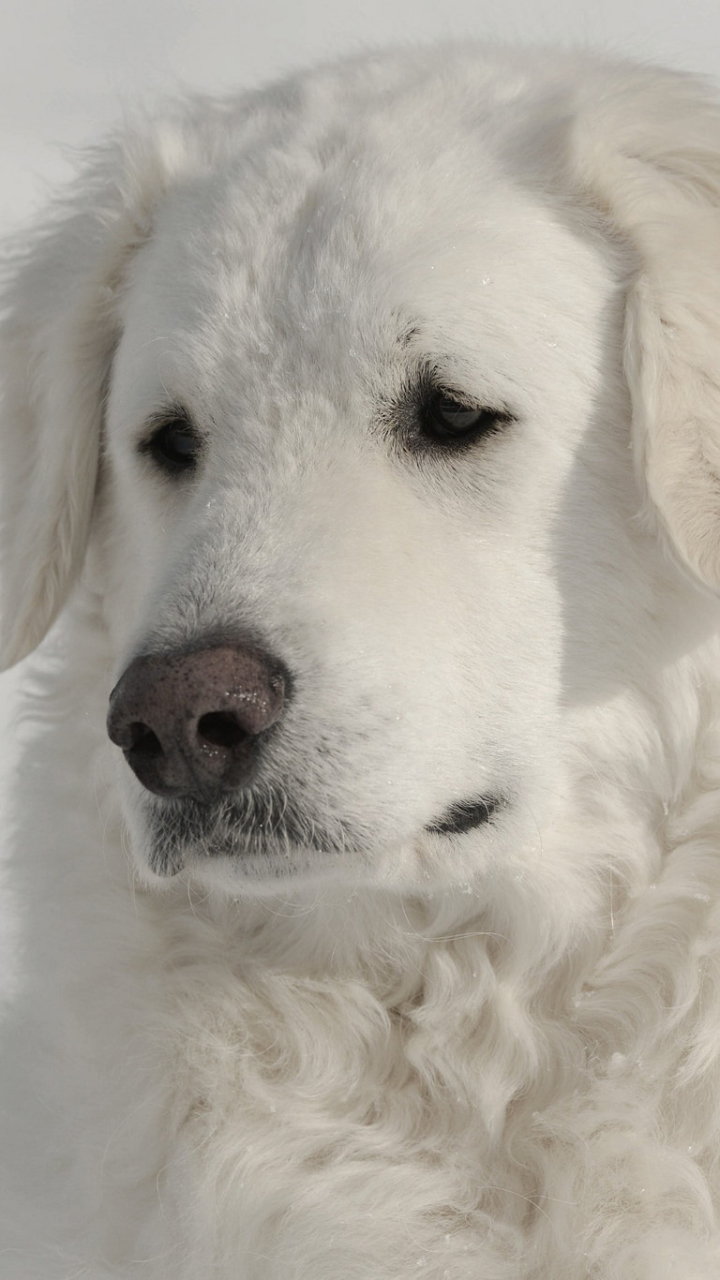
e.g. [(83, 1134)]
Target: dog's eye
[(174, 445), (451, 422)]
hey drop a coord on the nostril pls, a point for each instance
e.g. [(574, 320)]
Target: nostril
[(143, 742), (221, 729)]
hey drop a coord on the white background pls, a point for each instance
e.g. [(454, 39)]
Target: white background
[(66, 67)]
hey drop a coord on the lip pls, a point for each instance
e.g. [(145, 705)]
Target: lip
[(263, 824), (263, 828)]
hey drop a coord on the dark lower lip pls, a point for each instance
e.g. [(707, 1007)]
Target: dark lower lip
[(464, 816)]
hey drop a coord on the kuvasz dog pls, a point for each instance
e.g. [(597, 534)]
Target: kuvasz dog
[(365, 431)]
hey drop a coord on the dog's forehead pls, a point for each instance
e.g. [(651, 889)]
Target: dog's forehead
[(323, 249)]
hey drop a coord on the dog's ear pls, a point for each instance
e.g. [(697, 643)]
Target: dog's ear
[(646, 152), (56, 344)]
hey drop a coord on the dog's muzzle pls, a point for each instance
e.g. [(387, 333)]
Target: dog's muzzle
[(191, 723)]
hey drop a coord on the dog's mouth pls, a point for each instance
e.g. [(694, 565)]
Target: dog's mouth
[(267, 830)]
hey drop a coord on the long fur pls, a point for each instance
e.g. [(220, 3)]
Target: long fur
[(492, 1055)]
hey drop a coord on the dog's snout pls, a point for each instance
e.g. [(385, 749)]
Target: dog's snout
[(190, 723)]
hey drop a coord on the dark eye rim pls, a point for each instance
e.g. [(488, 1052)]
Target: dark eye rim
[(157, 444), (438, 429)]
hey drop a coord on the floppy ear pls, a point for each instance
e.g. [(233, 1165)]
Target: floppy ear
[(646, 151), (56, 344)]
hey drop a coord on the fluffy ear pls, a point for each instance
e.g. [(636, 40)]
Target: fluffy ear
[(56, 344), (646, 150)]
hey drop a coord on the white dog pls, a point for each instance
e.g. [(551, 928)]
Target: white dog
[(366, 430)]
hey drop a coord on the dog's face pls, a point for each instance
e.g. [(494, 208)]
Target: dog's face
[(366, 528), (380, 416)]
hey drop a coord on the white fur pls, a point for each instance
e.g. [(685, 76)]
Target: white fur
[(492, 1055)]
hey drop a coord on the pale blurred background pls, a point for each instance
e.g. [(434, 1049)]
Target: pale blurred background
[(67, 66)]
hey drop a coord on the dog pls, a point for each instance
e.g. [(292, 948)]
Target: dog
[(362, 492)]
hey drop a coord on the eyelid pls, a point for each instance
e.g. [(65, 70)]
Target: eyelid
[(160, 418), (470, 404)]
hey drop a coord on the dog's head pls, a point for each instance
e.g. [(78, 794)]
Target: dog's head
[(360, 360)]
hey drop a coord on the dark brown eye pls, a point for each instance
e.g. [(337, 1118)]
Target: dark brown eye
[(174, 445), (450, 422)]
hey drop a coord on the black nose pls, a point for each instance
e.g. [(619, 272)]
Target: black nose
[(190, 723)]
